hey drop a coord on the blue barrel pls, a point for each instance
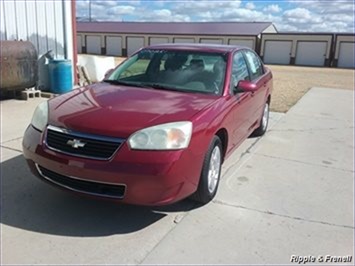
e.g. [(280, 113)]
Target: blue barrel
[(60, 76)]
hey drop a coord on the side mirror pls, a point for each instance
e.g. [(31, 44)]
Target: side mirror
[(108, 73), (246, 86)]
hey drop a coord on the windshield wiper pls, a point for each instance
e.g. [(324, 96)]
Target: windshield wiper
[(160, 87), (119, 82)]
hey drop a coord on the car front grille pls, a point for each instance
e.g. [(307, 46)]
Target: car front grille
[(82, 145), (88, 187)]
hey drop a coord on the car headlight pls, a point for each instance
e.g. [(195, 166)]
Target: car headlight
[(170, 136), (40, 116)]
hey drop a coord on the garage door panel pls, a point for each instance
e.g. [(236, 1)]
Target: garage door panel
[(213, 41), (246, 43), (114, 45), (79, 44), (158, 40), (346, 55), (311, 53), (134, 44), (184, 40), (93, 44), (277, 52)]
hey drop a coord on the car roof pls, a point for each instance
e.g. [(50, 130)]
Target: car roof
[(203, 47)]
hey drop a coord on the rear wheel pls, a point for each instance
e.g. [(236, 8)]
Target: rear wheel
[(211, 172), (263, 123)]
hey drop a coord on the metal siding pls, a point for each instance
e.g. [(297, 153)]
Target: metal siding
[(277, 52), (311, 53), (114, 45), (213, 41), (93, 44), (270, 29), (59, 27), (10, 20), (51, 32), (32, 22), (2, 21), (134, 44), (21, 17), (247, 43), (41, 27), (346, 55), (158, 40)]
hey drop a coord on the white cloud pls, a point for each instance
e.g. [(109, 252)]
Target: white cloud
[(272, 9), (122, 10), (301, 15), (198, 7), (163, 15), (250, 5)]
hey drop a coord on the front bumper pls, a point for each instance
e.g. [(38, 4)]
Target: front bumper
[(134, 177)]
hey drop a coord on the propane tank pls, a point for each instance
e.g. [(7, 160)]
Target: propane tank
[(18, 65)]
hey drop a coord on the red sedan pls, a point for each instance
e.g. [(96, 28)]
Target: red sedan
[(157, 129)]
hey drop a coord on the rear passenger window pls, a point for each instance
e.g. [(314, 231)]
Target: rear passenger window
[(255, 65), (239, 70)]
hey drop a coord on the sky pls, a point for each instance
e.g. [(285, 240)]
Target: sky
[(287, 15)]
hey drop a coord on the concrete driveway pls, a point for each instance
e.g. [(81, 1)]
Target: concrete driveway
[(287, 194)]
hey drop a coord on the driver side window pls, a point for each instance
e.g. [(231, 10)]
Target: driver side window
[(239, 70)]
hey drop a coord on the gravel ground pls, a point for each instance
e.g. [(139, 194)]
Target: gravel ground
[(292, 82)]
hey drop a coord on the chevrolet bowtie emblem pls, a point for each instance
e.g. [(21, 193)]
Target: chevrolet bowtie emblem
[(76, 143)]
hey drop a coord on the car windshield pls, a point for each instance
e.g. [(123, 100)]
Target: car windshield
[(176, 70)]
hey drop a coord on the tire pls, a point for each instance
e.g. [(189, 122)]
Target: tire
[(264, 122), (211, 173)]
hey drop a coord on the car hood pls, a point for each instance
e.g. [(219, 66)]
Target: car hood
[(119, 111)]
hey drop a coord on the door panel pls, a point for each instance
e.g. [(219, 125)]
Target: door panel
[(258, 77), (242, 101), (346, 55), (277, 52), (134, 44), (311, 53), (93, 44)]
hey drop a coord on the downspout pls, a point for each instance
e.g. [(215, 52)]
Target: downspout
[(68, 33), (75, 43)]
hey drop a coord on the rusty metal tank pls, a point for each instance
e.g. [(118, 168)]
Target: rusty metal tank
[(18, 65)]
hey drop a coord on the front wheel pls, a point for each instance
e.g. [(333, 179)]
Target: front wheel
[(263, 123), (210, 174)]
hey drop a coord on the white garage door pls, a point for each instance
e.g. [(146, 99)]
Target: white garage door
[(277, 52), (184, 40), (79, 44), (93, 44), (157, 40), (346, 55), (311, 53), (134, 44), (213, 41), (114, 45), (247, 43)]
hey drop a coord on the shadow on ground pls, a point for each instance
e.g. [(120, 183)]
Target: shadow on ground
[(30, 204)]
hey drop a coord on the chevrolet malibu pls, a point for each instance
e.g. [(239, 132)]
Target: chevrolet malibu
[(157, 128)]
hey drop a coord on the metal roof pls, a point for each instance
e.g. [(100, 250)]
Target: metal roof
[(176, 28)]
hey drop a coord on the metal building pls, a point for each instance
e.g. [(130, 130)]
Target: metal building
[(124, 38), (49, 25), (303, 49)]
